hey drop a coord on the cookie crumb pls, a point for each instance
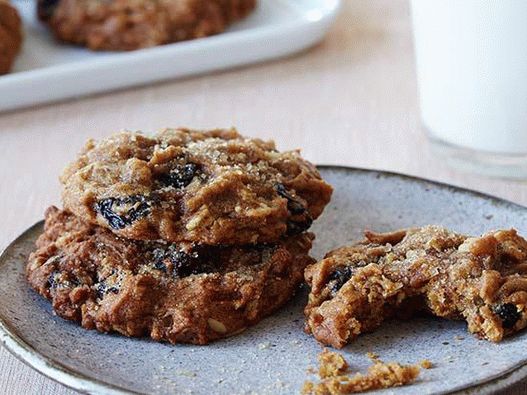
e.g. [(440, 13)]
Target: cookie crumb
[(308, 388), (373, 356), (186, 373), (331, 364), (426, 364), (335, 381)]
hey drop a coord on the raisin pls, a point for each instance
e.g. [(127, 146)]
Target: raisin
[(104, 207), (100, 290), (52, 283), (103, 289), (183, 264), (293, 205), (46, 8), (508, 314), (180, 176), (62, 280), (296, 208), (158, 257), (297, 227), (195, 262), (138, 211), (140, 207), (73, 281), (340, 277)]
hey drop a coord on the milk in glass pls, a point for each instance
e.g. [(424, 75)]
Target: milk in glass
[(471, 60)]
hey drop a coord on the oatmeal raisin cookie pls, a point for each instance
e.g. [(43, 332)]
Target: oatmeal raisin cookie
[(133, 24)]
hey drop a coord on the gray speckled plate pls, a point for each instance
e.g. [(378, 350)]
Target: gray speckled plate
[(272, 357)]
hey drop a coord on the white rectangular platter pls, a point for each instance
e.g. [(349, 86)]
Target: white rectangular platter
[(47, 71)]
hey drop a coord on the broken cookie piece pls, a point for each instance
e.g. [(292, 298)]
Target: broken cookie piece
[(482, 280)]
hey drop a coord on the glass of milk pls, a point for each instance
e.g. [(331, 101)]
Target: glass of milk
[(471, 60)]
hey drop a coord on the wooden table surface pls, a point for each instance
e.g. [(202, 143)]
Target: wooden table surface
[(351, 100)]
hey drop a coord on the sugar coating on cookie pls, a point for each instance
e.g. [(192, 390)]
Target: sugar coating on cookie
[(213, 187), (179, 293), (133, 24), (10, 35), (482, 280)]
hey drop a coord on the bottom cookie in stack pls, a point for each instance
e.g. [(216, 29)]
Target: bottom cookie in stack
[(180, 293)]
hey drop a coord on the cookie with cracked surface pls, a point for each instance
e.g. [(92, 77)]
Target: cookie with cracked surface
[(482, 280), (10, 35), (213, 187), (180, 293), (133, 24)]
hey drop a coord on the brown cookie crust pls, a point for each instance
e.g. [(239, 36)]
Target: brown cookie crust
[(213, 187), (10, 35), (133, 24), (482, 280), (176, 293)]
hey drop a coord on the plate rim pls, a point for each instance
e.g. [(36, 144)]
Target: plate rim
[(72, 379)]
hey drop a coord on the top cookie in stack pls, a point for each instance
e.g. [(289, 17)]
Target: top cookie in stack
[(213, 187)]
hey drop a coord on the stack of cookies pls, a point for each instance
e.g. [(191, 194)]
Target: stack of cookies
[(186, 236)]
